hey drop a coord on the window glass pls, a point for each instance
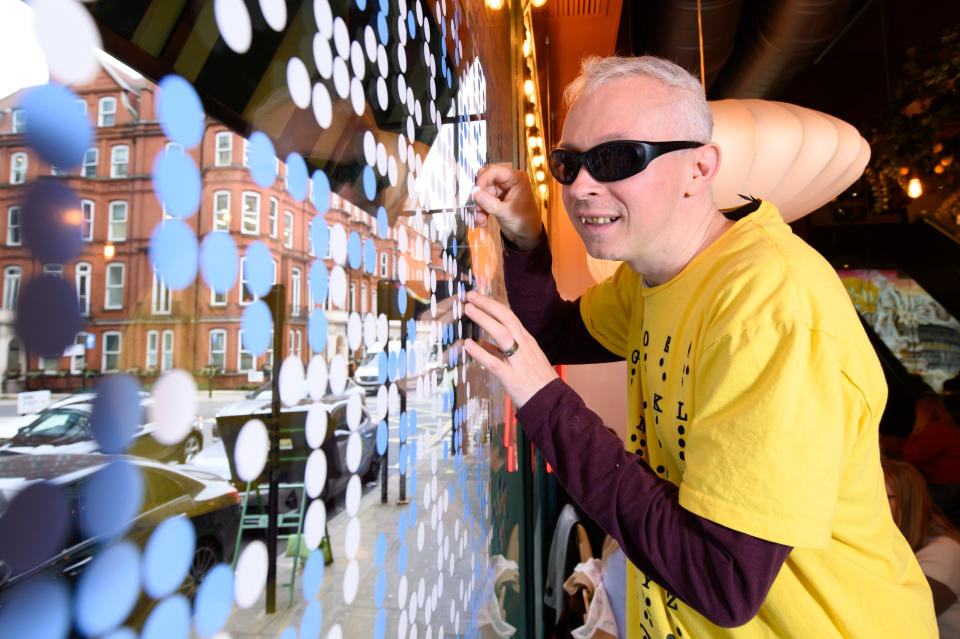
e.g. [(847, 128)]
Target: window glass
[(224, 148), (13, 226), (114, 286), (119, 157), (90, 158), (18, 168), (108, 112), (117, 228)]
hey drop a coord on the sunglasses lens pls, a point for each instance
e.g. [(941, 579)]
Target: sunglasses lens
[(615, 161), (563, 166)]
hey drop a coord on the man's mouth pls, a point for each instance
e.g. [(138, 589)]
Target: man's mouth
[(597, 221)]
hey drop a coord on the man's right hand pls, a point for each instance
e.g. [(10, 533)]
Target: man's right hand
[(507, 195)]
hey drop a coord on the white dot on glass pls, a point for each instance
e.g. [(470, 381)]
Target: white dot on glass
[(402, 589), (351, 538), (381, 159), (354, 451), (369, 148), (338, 244), (275, 13), (354, 411), (369, 330), (418, 112), (402, 269), (357, 98), (317, 377), (292, 381), (370, 43), (352, 497), (392, 171), (341, 77), (322, 108), (382, 328), (69, 39), (298, 82), (315, 473), (250, 451), (402, 29), (335, 632), (341, 37), (233, 21), (402, 89), (174, 406), (402, 58), (322, 55), (411, 136), (251, 574), (382, 399), (357, 63), (351, 579), (412, 611), (393, 401), (315, 523), (409, 99), (324, 17), (354, 331), (382, 96), (338, 374), (382, 65), (420, 533), (315, 425)]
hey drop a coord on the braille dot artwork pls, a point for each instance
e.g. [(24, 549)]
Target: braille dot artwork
[(344, 179)]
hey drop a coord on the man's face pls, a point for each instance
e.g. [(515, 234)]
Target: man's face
[(631, 219)]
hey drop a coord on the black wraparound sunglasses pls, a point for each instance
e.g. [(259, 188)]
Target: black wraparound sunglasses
[(611, 161)]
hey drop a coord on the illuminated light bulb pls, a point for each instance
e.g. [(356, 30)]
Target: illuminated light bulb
[(532, 142), (938, 147), (543, 189), (526, 48), (938, 169), (73, 217), (947, 161), (538, 3), (914, 188), (495, 4), (528, 87), (904, 170), (529, 119), (109, 251), (540, 176), (537, 160)]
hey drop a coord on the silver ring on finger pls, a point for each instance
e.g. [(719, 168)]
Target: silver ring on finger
[(512, 350)]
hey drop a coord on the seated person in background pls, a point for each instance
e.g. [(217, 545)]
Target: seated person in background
[(933, 538), (934, 448)]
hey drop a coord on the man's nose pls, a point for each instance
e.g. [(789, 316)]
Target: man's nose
[(584, 185)]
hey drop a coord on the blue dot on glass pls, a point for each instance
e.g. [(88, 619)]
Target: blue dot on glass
[(320, 236), (311, 621), (411, 362), (110, 499), (107, 589), (38, 609), (180, 111), (403, 459), (176, 182), (313, 571), (369, 256), (383, 367), (382, 438), (413, 503), (256, 323), (167, 556), (48, 315), (261, 158), (402, 428), (219, 258), (380, 626), (380, 552), (116, 413), (402, 559), (319, 281), (361, 4), (44, 510), (411, 24), (169, 619), (297, 176), (121, 633), (392, 366), (380, 589), (51, 222), (411, 329), (385, 6), (383, 31), (454, 254), (445, 452), (321, 193), (402, 526), (383, 224), (354, 251), (56, 129), (214, 601), (402, 363), (259, 272), (317, 330), (369, 182), (173, 251), (413, 421), (402, 299)]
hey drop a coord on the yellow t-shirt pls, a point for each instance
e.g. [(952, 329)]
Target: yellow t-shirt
[(753, 387)]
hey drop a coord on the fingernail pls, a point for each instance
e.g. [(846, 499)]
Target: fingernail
[(474, 190)]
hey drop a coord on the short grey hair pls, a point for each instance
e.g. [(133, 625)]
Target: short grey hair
[(693, 114)]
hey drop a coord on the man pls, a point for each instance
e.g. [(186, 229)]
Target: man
[(751, 501), (934, 448)]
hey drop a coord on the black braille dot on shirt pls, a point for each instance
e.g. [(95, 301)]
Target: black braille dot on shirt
[(682, 456), (633, 437), (646, 615), (647, 600), (659, 443), (643, 442), (680, 429), (679, 634), (660, 469), (644, 403), (656, 419), (661, 361), (639, 451), (633, 371), (687, 370), (644, 357), (682, 443), (664, 377)]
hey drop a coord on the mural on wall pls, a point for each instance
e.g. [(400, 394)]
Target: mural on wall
[(262, 198), (913, 325)]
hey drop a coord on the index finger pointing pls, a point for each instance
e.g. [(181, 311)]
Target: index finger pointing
[(496, 310)]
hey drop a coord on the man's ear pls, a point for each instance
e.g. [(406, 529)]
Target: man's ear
[(704, 168)]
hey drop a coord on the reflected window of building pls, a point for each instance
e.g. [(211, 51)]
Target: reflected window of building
[(353, 296), (218, 299), (363, 298), (112, 345), (117, 228), (224, 148), (161, 295), (56, 170), (119, 159), (274, 216), (18, 168), (107, 115), (246, 151), (82, 274), (245, 359), (245, 295), (221, 211), (47, 364), (288, 229), (173, 147), (383, 264), (250, 224), (78, 360), (166, 351), (13, 226), (113, 296), (86, 222), (53, 269), (11, 287), (218, 349), (19, 121), (153, 343), (90, 159), (295, 292)]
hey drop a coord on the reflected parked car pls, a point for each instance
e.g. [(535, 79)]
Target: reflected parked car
[(66, 428), (211, 504)]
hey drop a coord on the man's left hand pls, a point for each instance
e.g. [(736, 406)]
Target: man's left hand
[(526, 370)]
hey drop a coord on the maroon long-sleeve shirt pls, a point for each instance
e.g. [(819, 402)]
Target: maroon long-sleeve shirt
[(722, 573)]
